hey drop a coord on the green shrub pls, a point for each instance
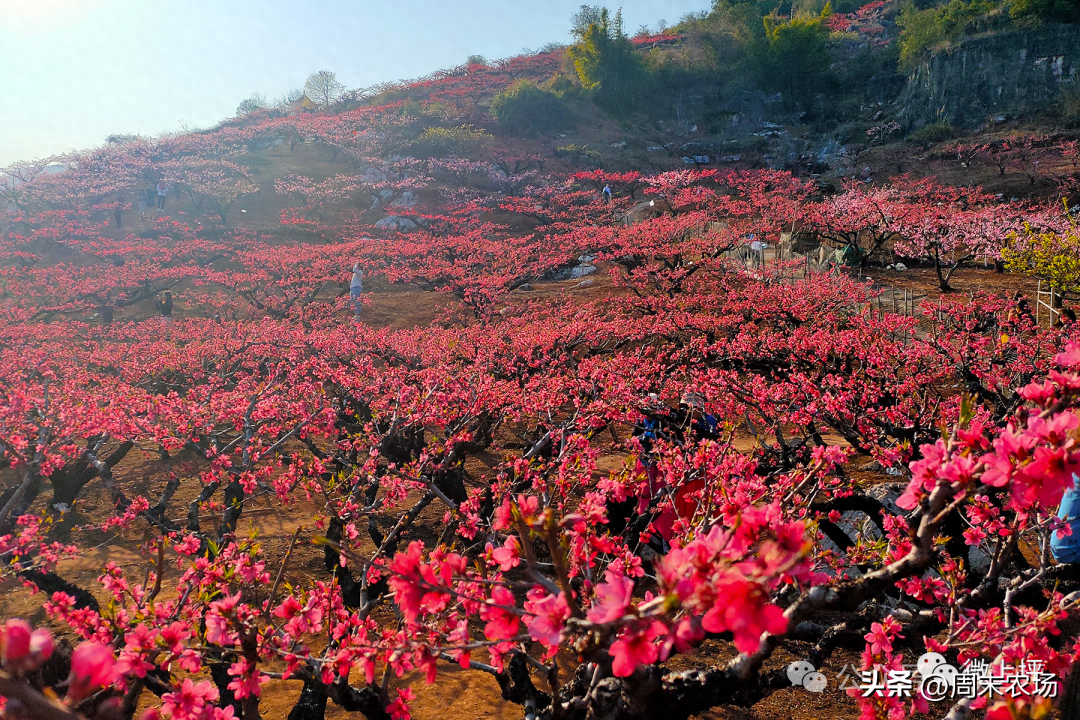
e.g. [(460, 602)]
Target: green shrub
[(795, 60), (1034, 11), (932, 133), (606, 62), (524, 108), (432, 112), (1070, 102), (440, 142), (578, 154), (921, 31), (560, 84)]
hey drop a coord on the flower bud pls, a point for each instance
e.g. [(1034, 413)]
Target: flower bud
[(92, 666), (41, 645), (15, 644), (571, 520)]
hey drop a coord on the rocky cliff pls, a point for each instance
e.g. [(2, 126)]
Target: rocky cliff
[(979, 79)]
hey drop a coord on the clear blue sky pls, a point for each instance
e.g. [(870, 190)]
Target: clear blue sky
[(75, 71)]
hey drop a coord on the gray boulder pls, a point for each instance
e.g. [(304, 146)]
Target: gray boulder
[(407, 200), (581, 271), (396, 222)]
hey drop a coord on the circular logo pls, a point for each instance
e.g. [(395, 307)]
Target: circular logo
[(946, 671), (815, 682), (798, 670), (938, 677), (928, 662)]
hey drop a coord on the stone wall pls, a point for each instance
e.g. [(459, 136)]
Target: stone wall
[(993, 77)]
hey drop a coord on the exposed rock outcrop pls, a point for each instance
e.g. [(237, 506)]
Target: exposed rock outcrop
[(983, 78)]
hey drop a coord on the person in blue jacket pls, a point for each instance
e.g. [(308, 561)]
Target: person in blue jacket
[(1067, 549)]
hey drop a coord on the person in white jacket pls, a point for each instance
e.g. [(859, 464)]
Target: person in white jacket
[(356, 288)]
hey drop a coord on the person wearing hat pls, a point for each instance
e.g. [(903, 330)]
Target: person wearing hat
[(699, 421)]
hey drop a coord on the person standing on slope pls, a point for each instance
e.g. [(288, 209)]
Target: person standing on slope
[(165, 305), (162, 191), (356, 287)]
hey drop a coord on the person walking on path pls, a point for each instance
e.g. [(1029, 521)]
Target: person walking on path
[(757, 252), (607, 193), (117, 210), (162, 191), (356, 287), (142, 207)]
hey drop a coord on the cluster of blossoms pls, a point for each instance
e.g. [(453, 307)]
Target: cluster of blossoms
[(24, 650)]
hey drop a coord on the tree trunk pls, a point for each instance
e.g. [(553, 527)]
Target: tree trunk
[(369, 700), (312, 702), (219, 673), (68, 484), (943, 282), (956, 266), (1070, 698), (50, 583)]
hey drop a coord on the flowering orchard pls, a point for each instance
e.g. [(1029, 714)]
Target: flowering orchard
[(564, 492)]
